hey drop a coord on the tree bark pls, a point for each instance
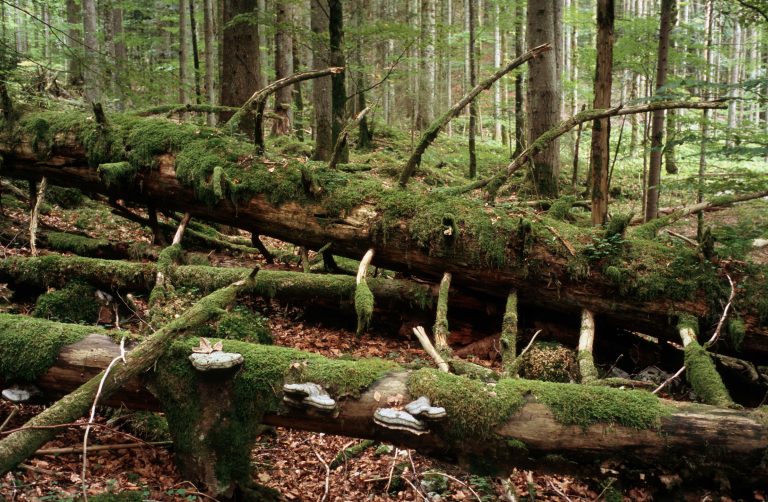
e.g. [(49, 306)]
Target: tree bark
[(601, 129), (283, 68), (472, 4), (321, 87), (543, 96), (209, 35), (657, 120), (74, 44), (338, 87), (92, 67), (552, 427), (426, 100), (241, 59)]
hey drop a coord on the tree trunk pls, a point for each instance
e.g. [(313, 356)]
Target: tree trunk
[(283, 68), (338, 88), (426, 99), (601, 129), (404, 238), (195, 52), (497, 55), (321, 87), (74, 44), (209, 34), (184, 75), (91, 69), (519, 90), (241, 59), (472, 4), (569, 428), (657, 121), (543, 96)]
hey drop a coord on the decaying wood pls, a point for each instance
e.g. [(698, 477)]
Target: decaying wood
[(19, 445), (683, 441), (353, 233), (35, 215)]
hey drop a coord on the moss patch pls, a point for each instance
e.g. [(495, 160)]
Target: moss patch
[(363, 306), (78, 244), (244, 325), (28, 346), (75, 303), (704, 378)]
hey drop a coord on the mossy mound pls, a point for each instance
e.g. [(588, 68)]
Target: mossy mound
[(75, 303), (244, 325), (78, 244), (28, 346), (65, 198), (703, 377), (550, 362)]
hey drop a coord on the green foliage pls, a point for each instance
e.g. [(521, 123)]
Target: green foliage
[(736, 330), (551, 362), (65, 198), (561, 208), (75, 303), (28, 346), (117, 174), (604, 247)]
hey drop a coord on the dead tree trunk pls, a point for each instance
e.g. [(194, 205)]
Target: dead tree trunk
[(512, 423), (484, 252)]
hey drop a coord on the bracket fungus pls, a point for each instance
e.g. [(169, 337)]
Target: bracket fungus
[(390, 418), (422, 408), (215, 360), (20, 393), (308, 394)]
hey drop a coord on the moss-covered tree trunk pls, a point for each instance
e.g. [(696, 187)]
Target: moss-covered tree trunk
[(489, 427)]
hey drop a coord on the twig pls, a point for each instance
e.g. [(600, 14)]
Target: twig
[(682, 237), (327, 473), (100, 447), (529, 344), (10, 416), (421, 334), (562, 239), (114, 361), (668, 380), (716, 334), (462, 483), (552, 485), (414, 488), (392, 470)]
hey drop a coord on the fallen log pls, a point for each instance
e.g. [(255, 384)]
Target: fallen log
[(571, 428), (642, 284)]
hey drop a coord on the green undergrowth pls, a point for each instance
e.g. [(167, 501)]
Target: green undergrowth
[(29, 346), (75, 303)]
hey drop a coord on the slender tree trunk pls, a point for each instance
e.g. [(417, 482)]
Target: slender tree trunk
[(121, 55), (736, 43), (705, 117), (426, 101), (601, 129), (184, 75), (283, 68), (657, 121), (519, 92), (338, 88), (364, 138), (497, 55), (298, 96), (209, 34), (449, 61), (321, 87), (195, 52), (91, 69), (543, 95), (472, 13)]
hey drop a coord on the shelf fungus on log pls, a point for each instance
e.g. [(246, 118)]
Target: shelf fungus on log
[(215, 361), (390, 418), (308, 394), (422, 408), (20, 393)]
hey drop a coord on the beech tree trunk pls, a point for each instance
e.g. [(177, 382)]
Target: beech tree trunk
[(240, 60), (91, 68), (321, 87), (338, 87), (283, 68), (578, 429)]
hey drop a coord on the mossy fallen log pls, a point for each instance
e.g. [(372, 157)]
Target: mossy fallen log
[(489, 427), (634, 282)]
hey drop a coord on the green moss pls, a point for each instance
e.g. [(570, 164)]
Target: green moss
[(736, 332), (618, 225), (78, 244), (117, 174), (703, 377), (342, 377), (75, 303), (687, 321), (363, 306), (65, 198), (586, 405), (170, 256), (127, 496), (518, 446), (474, 408), (29, 346), (587, 368), (561, 208), (244, 325)]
